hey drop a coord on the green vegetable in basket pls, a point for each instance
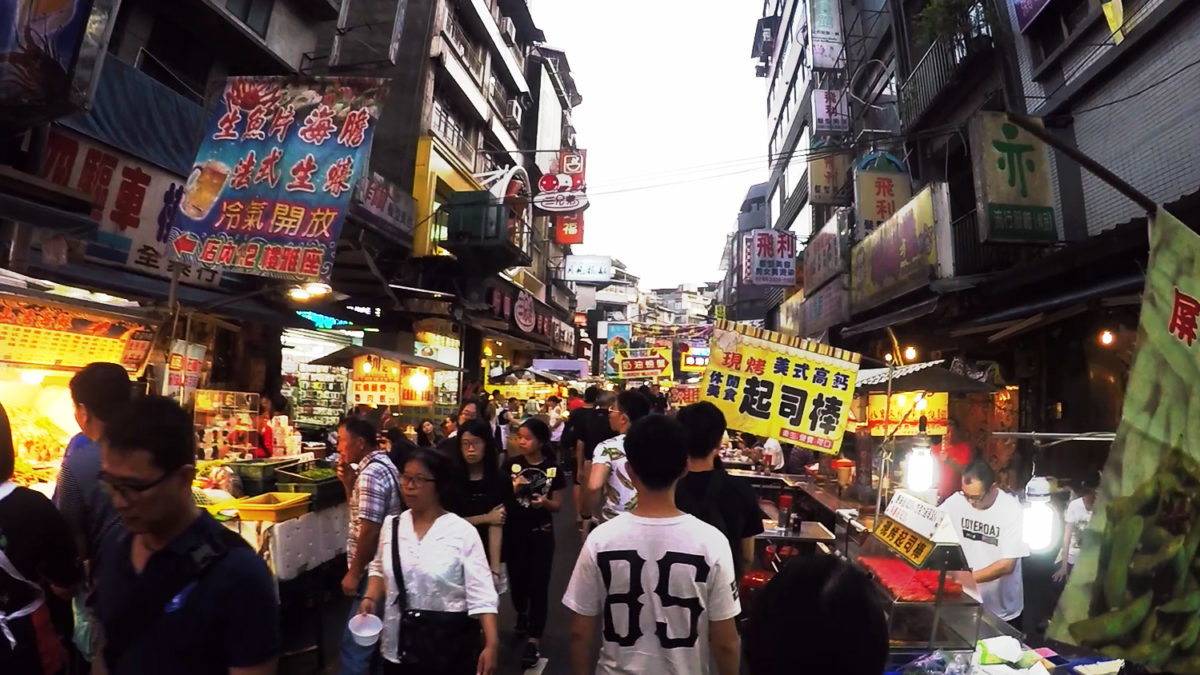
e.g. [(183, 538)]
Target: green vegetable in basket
[(319, 474)]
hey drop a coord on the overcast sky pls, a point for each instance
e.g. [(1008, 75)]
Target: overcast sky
[(669, 96)]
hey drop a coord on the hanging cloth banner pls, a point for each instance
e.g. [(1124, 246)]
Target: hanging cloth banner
[(1137, 560), (771, 385), (1114, 13)]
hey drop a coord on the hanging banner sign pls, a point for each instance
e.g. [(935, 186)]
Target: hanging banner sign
[(569, 229), (644, 364), (683, 395), (826, 40), (898, 257), (183, 371), (620, 335), (826, 175), (827, 307), (566, 191), (793, 390), (824, 258), (903, 416), (1015, 196), (831, 111), (385, 208), (773, 258), (1150, 479), (36, 332), (878, 194), (274, 175), (694, 359)]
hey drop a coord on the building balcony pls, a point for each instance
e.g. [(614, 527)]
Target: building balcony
[(485, 234), (946, 65), (451, 129), (972, 256), (458, 38)]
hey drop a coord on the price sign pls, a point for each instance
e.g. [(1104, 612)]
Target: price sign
[(918, 516), (908, 544)]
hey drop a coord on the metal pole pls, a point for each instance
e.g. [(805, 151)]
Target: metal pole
[(884, 459)]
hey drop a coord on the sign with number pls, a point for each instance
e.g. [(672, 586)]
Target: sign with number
[(644, 363), (47, 334), (793, 390), (915, 514), (908, 544)]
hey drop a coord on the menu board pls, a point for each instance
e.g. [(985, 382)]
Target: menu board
[(49, 334), (376, 381)]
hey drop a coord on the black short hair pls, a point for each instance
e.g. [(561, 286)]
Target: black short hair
[(633, 404), (441, 468), (573, 392), (156, 425), (8, 453), (554, 400), (540, 431), (361, 429), (833, 595), (512, 398), (591, 394), (102, 388), (491, 451), (705, 425), (656, 447), (981, 471), (471, 401), (1091, 481)]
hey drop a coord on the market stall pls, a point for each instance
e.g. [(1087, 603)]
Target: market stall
[(318, 393)]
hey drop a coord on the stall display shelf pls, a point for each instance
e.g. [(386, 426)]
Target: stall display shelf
[(318, 395), (226, 423)]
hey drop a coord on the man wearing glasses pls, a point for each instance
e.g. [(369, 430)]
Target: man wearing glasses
[(989, 526), (177, 592)]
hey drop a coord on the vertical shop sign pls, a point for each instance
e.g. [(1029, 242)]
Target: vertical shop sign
[(898, 257), (878, 194), (772, 258), (275, 173), (569, 229), (826, 40), (183, 371), (826, 175), (823, 257), (1152, 473), (1026, 11), (566, 190), (827, 307), (135, 204), (1012, 182), (796, 391), (831, 111), (620, 337), (387, 209), (791, 315)]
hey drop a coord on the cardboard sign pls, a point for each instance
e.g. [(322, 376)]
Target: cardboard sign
[(903, 541)]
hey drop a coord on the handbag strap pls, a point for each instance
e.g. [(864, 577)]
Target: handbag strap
[(397, 570)]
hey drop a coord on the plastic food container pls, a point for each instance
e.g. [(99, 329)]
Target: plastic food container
[(365, 628), (272, 507)]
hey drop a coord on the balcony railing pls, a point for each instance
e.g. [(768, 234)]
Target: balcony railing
[(451, 129), (972, 256), (486, 235), (944, 64), (458, 37), (498, 94)]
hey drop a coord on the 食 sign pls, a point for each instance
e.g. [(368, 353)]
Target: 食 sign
[(275, 173), (794, 390)]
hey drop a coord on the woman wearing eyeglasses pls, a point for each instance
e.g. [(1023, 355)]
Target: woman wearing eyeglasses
[(482, 489), (37, 557), (431, 578)]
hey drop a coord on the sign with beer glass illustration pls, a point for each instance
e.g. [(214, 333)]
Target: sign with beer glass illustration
[(275, 173)]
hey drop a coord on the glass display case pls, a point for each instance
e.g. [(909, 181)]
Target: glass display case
[(42, 417), (226, 424), (318, 395)]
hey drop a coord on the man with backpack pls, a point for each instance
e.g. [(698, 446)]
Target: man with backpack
[(726, 502)]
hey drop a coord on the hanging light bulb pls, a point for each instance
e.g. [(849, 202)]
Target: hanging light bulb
[(418, 381), (910, 353), (919, 468), (1040, 517)]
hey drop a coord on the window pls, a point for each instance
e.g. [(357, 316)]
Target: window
[(176, 57), (448, 125), (256, 14), (1058, 23)]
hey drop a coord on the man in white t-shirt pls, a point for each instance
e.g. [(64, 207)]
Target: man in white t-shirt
[(1075, 522), (610, 492), (656, 583), (989, 526), (772, 455)]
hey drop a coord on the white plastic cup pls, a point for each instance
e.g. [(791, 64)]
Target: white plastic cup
[(365, 628)]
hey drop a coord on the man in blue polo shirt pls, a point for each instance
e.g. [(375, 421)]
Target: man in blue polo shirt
[(178, 592)]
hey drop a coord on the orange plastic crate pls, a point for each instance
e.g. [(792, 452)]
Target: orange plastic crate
[(272, 506)]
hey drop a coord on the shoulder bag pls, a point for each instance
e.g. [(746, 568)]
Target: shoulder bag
[(435, 642)]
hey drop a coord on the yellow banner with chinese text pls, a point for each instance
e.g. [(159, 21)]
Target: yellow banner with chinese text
[(911, 546), (790, 389), (903, 416)]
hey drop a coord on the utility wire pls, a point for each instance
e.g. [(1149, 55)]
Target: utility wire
[(1139, 92)]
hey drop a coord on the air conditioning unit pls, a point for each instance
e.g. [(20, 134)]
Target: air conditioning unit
[(509, 30), (761, 70), (512, 114)]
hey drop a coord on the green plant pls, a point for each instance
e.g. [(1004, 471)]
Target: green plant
[(949, 18)]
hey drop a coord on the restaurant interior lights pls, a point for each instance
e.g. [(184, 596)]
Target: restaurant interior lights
[(1107, 338)]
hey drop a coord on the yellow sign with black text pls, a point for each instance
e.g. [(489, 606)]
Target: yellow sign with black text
[(787, 388), (907, 544)]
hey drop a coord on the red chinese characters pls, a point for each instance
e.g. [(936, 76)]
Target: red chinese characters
[(61, 152), (268, 169), (731, 360), (302, 172), (243, 172), (764, 242), (354, 129), (131, 195), (318, 127), (310, 261), (787, 245), (281, 122), (1184, 311), (227, 125), (96, 177), (337, 177)]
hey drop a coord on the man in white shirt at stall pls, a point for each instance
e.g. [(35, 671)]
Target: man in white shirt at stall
[(989, 523), (772, 455)]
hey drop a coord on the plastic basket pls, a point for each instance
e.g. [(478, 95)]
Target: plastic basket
[(294, 473), (272, 507), (323, 494), (258, 475)]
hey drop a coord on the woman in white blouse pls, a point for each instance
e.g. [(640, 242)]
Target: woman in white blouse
[(443, 561)]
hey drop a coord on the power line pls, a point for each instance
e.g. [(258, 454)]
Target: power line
[(1084, 63), (1139, 92)]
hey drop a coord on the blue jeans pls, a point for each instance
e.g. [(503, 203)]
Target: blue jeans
[(356, 659)]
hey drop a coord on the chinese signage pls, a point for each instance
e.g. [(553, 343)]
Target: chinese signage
[(620, 335), (831, 111), (416, 387), (644, 364), (826, 175), (791, 315), (184, 364), (385, 207), (522, 312), (41, 333), (823, 257), (908, 544), (772, 258), (683, 395), (878, 194), (826, 39), (568, 229), (915, 514), (796, 391), (898, 257), (564, 336), (274, 175), (376, 381), (1153, 467), (1012, 182), (719, 312), (565, 191), (134, 203), (587, 268), (1026, 11), (826, 308), (693, 359), (902, 417)]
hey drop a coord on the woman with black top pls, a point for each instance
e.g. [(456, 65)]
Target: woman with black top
[(482, 489), (426, 434), (529, 531)]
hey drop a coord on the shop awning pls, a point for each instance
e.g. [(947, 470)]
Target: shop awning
[(345, 356), (68, 223), (926, 376), (910, 313)]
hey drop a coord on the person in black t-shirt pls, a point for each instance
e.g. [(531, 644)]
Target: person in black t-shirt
[(726, 502), (529, 531), (592, 429), (482, 489)]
